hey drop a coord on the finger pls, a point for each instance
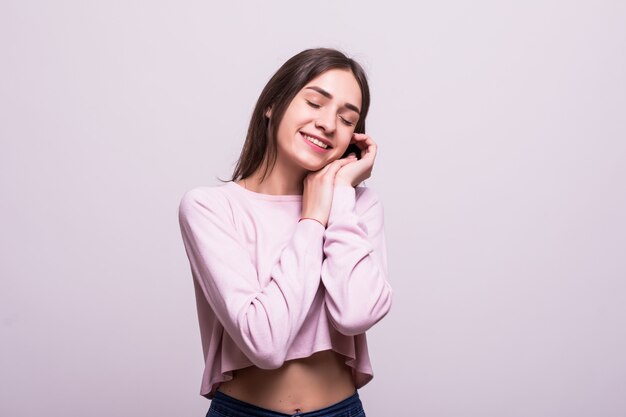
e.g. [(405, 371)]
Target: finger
[(362, 140), (368, 147), (336, 165), (369, 152), (361, 136), (345, 161)]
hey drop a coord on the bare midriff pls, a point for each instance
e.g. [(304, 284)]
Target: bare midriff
[(299, 385)]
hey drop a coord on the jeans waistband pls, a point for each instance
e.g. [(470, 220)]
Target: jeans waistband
[(232, 407)]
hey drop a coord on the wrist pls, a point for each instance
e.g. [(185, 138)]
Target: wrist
[(343, 182), (316, 215), (312, 218)]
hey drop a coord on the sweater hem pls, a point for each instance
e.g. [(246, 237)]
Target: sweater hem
[(360, 376)]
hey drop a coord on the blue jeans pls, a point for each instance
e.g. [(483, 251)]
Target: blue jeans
[(224, 405)]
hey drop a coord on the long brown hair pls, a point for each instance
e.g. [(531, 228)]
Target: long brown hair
[(290, 78)]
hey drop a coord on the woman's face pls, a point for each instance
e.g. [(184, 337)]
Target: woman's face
[(317, 126)]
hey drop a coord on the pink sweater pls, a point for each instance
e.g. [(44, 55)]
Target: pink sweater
[(270, 289)]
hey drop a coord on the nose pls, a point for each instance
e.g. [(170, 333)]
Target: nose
[(326, 121)]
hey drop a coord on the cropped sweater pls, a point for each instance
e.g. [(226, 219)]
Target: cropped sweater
[(270, 288)]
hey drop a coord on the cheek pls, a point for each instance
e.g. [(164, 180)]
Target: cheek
[(345, 139)]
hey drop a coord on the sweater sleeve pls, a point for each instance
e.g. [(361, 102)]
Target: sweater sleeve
[(263, 322), (354, 272)]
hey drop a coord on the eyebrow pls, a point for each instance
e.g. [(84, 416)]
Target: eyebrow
[(328, 95)]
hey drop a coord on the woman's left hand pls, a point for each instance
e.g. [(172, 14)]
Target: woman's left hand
[(357, 171)]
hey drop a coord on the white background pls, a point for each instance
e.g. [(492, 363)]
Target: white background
[(502, 165)]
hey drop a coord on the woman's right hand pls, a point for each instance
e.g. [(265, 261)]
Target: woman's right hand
[(317, 196)]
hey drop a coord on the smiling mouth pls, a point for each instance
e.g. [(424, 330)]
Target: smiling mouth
[(315, 141)]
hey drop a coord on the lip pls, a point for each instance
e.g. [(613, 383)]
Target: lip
[(313, 146), (323, 140)]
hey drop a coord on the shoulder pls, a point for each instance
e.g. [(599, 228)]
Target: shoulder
[(202, 198)]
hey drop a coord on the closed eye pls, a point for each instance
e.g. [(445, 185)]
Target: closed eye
[(346, 122), (315, 106)]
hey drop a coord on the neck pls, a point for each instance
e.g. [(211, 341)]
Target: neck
[(281, 180)]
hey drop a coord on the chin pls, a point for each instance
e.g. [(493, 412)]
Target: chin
[(313, 162), (312, 167)]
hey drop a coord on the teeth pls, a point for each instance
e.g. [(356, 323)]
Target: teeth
[(315, 141)]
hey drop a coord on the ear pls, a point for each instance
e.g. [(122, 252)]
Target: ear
[(268, 112)]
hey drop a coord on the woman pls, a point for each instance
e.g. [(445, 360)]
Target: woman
[(289, 257)]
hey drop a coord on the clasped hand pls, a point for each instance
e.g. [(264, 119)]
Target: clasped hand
[(358, 170), (319, 185)]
